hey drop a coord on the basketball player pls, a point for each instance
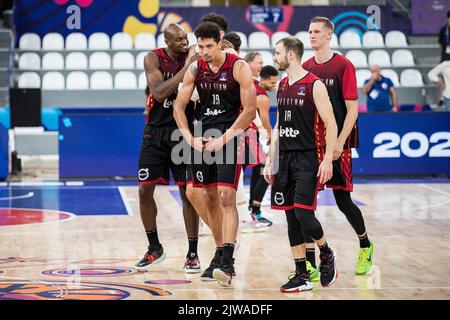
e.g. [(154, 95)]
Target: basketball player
[(258, 185), (305, 123), (164, 68), (224, 83), (338, 74)]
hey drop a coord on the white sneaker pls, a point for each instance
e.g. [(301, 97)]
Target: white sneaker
[(253, 226)]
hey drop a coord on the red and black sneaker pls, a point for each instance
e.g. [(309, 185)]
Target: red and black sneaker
[(328, 270), (298, 282), (224, 274), (192, 263), (151, 258)]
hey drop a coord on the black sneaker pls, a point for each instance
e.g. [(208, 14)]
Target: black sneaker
[(192, 263), (151, 258), (298, 282), (207, 275), (328, 270), (224, 274)]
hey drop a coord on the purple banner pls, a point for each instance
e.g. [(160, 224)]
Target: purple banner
[(428, 16), (44, 16)]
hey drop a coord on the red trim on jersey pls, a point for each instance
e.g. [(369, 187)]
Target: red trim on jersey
[(237, 174), (150, 104), (282, 208), (180, 183), (213, 185), (156, 181), (302, 206)]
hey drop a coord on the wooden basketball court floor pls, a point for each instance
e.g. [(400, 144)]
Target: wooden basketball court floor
[(80, 240)]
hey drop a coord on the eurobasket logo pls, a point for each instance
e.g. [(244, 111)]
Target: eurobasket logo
[(358, 21)]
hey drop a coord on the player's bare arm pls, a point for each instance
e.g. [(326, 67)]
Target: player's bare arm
[(325, 109), (349, 123), (159, 88), (179, 107), (268, 168), (263, 105)]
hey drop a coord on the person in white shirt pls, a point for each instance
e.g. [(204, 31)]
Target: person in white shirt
[(441, 74)]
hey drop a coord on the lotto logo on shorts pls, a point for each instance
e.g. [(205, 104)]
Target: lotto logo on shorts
[(279, 198), (144, 174)]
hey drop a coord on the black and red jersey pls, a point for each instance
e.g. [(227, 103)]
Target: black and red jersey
[(160, 114), (259, 89), (219, 93), (339, 76), (300, 126)]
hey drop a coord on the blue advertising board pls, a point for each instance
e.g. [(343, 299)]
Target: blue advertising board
[(107, 145)]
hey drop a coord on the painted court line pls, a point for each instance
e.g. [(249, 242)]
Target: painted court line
[(126, 202), (434, 189)]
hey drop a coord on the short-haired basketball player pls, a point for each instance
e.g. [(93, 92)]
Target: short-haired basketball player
[(338, 74), (164, 68), (305, 124), (224, 83)]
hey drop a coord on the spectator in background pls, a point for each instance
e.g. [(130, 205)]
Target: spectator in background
[(442, 71), (379, 90), (444, 39)]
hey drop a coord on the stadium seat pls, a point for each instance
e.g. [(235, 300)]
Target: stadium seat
[(160, 43), (361, 76), (76, 41), (30, 41), (142, 82), (123, 60), (121, 41), (303, 36), (258, 40), (242, 54), (372, 39), (29, 80), (76, 61), (100, 60), (391, 74), (379, 57), (77, 80), (99, 41), (350, 39), (411, 78), (145, 41), (29, 60), (53, 81), (308, 54), (267, 57), (277, 36), (334, 43), (243, 36), (357, 58), (53, 61), (395, 38), (125, 80), (53, 41), (402, 58), (140, 60), (101, 80)]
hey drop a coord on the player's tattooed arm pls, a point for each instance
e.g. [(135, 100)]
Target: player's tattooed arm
[(194, 68)]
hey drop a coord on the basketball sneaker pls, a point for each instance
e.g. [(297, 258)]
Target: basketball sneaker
[(298, 282), (192, 263), (224, 274), (364, 262), (328, 270), (207, 275), (313, 272), (151, 258), (263, 220)]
